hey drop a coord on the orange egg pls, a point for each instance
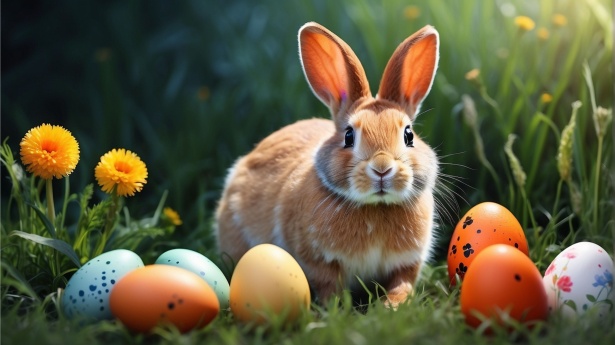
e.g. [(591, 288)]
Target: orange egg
[(483, 225), (162, 294), (503, 280)]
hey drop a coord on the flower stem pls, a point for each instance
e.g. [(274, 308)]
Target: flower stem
[(597, 181), (51, 213), (109, 224), (557, 196)]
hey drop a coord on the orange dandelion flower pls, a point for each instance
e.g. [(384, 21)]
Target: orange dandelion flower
[(559, 19), (49, 151), (172, 216), (524, 23), (543, 34), (412, 12), (121, 170)]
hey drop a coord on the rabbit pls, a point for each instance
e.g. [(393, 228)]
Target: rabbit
[(351, 197)]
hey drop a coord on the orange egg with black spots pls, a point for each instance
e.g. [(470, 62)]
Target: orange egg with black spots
[(485, 224), (503, 283)]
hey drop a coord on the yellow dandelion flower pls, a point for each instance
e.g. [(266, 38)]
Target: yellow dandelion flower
[(543, 34), (121, 170), (49, 151), (172, 216), (559, 19), (473, 74), (524, 23), (546, 98), (412, 12)]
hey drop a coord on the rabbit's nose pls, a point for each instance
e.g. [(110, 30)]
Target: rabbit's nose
[(382, 174)]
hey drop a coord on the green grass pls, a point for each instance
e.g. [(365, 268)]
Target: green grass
[(190, 86)]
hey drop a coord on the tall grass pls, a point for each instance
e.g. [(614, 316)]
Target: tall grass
[(192, 85)]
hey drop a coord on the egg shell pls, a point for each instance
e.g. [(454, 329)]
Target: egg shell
[(267, 280), (582, 275), (87, 293), (485, 224), (203, 267), (503, 279), (162, 294)]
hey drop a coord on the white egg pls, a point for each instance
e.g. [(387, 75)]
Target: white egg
[(580, 279), (87, 293)]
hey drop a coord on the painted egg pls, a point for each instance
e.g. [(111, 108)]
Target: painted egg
[(203, 267), (268, 281), (162, 294), (87, 293), (483, 225), (580, 279), (503, 281)]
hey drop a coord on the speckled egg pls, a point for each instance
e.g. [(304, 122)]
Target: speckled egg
[(87, 293), (268, 281), (163, 295), (203, 267), (503, 281), (579, 280), (485, 224)]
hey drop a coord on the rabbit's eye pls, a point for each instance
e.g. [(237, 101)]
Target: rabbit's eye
[(349, 138), (408, 137)]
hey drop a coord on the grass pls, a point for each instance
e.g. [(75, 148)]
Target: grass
[(190, 86)]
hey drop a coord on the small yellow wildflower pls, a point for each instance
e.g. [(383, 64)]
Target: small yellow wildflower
[(49, 151), (203, 93), (543, 34), (559, 19), (524, 23), (412, 12), (546, 98), (172, 216), (121, 170), (473, 74)]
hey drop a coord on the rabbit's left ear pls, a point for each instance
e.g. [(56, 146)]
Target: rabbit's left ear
[(410, 72)]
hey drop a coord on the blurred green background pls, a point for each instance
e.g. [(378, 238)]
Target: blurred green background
[(191, 85)]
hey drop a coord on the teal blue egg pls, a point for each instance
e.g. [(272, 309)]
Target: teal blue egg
[(203, 267)]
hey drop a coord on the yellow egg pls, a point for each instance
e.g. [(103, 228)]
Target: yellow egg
[(268, 281)]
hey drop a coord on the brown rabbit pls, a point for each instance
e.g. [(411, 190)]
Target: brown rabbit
[(348, 198)]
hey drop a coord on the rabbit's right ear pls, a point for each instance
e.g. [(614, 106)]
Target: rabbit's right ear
[(332, 69)]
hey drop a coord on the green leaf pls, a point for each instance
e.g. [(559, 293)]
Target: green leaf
[(571, 304), (56, 244), (591, 298), (50, 228)]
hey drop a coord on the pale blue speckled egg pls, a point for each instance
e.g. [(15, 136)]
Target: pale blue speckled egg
[(87, 293), (203, 267)]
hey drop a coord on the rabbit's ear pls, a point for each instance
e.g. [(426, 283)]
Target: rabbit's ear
[(410, 72), (332, 69)]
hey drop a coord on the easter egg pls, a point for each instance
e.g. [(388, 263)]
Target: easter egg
[(483, 225), (268, 281), (580, 279), (203, 267), (503, 281), (87, 293), (163, 295)]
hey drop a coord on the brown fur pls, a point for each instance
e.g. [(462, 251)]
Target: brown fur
[(342, 212)]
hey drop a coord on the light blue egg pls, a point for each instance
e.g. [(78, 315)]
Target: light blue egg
[(203, 267), (87, 293)]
